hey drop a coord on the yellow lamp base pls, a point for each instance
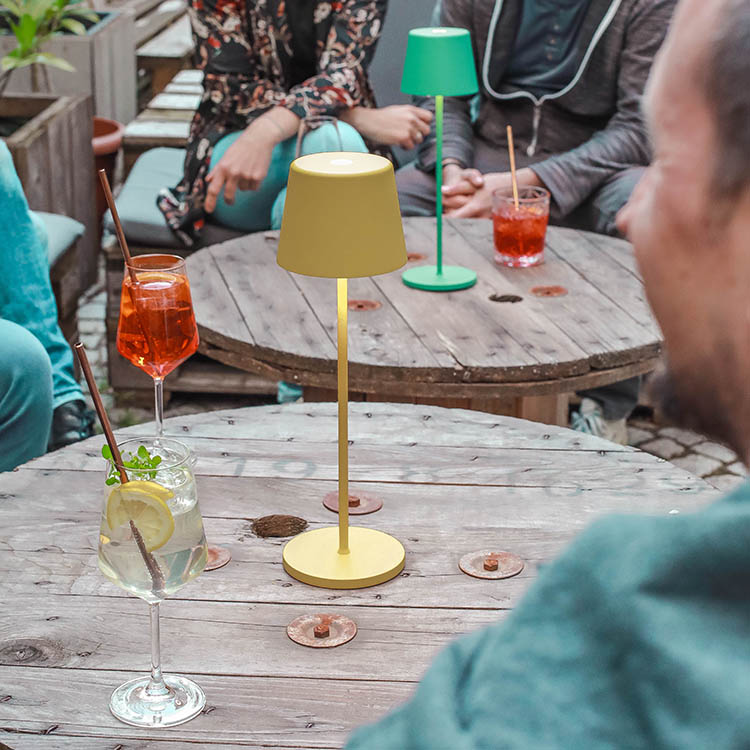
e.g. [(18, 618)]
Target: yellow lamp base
[(374, 558)]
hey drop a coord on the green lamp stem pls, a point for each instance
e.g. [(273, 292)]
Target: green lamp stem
[(439, 180)]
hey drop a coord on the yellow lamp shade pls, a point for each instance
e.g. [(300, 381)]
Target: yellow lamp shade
[(341, 217)]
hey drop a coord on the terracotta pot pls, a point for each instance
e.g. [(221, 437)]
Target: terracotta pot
[(106, 141)]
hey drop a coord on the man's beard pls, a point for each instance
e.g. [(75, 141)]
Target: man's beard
[(695, 403)]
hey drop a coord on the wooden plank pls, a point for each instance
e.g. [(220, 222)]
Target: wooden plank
[(189, 76), (174, 40), (245, 709), (187, 102), (267, 295), (108, 633), (152, 25), (56, 741), (608, 335), (156, 133), (183, 88)]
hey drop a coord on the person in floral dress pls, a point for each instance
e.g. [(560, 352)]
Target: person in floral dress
[(269, 64)]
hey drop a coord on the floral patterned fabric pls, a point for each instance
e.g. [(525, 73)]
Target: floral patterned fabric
[(245, 51)]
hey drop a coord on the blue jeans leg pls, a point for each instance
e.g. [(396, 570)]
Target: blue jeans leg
[(316, 141), (26, 296), (25, 396)]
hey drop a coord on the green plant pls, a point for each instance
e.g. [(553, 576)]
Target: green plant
[(33, 23), (141, 461)]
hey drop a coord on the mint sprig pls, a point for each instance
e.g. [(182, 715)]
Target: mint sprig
[(141, 461)]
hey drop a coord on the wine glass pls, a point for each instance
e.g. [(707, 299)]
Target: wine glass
[(157, 332), (318, 134), (151, 543)]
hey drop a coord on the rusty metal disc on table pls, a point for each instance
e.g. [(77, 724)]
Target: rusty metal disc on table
[(321, 631), (360, 503), (491, 564), (218, 557)]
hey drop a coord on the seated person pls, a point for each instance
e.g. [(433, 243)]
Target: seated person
[(267, 66), (568, 76), (26, 299), (25, 396), (637, 636)]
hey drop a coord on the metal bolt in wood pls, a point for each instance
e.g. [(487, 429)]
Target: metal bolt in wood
[(360, 503), (322, 630), (491, 564)]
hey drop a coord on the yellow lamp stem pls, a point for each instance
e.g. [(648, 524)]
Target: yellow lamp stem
[(343, 372)]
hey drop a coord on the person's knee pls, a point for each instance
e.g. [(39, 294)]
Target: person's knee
[(351, 140), (612, 196), (25, 396)]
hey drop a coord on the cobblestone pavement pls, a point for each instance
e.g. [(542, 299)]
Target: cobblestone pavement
[(716, 463)]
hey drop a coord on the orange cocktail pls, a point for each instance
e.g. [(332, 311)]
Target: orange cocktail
[(520, 229), (157, 328)]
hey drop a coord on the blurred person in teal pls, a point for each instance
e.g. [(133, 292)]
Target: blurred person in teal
[(637, 636)]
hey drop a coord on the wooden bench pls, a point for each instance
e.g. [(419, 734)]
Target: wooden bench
[(166, 119), (166, 54)]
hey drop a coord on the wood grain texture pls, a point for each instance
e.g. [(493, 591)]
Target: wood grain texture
[(451, 481), (419, 344)]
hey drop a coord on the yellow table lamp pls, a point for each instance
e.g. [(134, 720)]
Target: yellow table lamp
[(342, 220)]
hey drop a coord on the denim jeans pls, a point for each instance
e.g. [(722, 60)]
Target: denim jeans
[(25, 396), (26, 296)]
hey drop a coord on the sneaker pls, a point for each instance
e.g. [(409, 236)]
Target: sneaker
[(71, 422), (590, 419)]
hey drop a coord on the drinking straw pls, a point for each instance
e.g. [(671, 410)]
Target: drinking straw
[(118, 226), (154, 570), (512, 154)]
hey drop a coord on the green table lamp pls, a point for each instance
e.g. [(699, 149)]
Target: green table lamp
[(439, 62), (341, 220)]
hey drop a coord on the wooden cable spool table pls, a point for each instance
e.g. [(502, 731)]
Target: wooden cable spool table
[(451, 481), (517, 343)]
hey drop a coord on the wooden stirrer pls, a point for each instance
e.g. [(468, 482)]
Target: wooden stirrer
[(512, 154)]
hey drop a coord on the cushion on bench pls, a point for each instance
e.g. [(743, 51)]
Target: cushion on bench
[(141, 219), (56, 232)]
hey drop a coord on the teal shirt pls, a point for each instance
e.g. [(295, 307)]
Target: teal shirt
[(637, 637), (544, 56)]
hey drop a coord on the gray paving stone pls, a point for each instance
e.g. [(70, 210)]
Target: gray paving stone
[(725, 482), (663, 448), (716, 450), (636, 435), (698, 465), (738, 468), (686, 437)]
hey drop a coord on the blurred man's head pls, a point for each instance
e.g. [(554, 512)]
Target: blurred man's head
[(690, 217)]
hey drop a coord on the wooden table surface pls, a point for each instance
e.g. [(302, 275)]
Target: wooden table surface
[(463, 348), (452, 482)]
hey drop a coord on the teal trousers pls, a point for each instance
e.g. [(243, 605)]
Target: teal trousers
[(255, 210)]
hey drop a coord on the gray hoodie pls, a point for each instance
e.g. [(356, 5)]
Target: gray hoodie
[(578, 137)]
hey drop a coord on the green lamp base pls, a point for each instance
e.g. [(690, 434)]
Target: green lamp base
[(451, 279)]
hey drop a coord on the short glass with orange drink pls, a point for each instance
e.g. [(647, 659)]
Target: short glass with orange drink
[(520, 227)]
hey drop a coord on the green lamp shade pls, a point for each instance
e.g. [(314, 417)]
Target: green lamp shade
[(439, 62)]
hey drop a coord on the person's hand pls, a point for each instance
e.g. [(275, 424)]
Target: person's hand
[(244, 165), (479, 205), (459, 185), (398, 125)]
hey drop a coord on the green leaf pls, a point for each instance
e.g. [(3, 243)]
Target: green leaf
[(143, 453), (155, 461), (111, 481), (13, 7), (44, 58), (75, 27), (106, 452)]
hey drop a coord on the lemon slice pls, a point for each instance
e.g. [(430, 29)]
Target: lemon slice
[(143, 503)]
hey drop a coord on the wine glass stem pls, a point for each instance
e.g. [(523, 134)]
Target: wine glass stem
[(159, 406), (156, 686)]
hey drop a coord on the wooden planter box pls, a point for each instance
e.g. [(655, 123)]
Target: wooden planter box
[(104, 62), (55, 161)]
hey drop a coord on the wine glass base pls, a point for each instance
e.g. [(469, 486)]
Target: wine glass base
[(130, 704)]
